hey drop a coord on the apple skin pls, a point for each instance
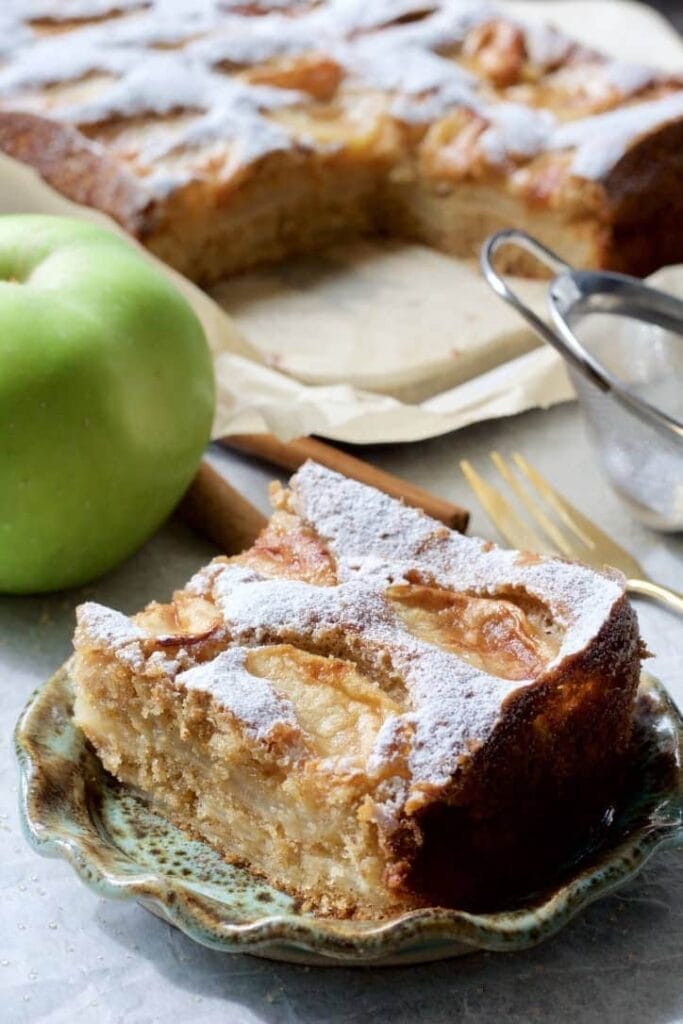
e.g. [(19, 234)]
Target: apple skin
[(106, 401)]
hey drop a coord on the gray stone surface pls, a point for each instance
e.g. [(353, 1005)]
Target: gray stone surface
[(67, 956)]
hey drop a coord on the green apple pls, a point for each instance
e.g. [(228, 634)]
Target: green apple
[(106, 400)]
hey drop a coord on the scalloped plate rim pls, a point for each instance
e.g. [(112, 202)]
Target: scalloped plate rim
[(305, 938)]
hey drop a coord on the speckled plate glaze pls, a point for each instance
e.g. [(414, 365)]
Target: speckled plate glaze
[(73, 809)]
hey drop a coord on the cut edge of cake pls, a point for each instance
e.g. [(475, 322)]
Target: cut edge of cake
[(238, 139)]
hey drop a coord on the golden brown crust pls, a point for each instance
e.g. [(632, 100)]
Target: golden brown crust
[(77, 168), (643, 203), (549, 772)]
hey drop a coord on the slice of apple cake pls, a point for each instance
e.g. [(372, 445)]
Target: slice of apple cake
[(371, 711)]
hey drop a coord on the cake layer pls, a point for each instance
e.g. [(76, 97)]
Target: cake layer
[(255, 753), (409, 715)]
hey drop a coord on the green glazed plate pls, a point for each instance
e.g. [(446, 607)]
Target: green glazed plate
[(72, 808)]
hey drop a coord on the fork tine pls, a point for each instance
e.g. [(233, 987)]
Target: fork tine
[(569, 515), (514, 530), (550, 529), (602, 548)]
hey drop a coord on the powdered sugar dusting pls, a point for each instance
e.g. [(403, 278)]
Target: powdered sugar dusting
[(456, 706), (515, 130), (600, 141), (376, 541), (409, 70), (628, 78), (65, 10), (249, 698), (546, 46), (162, 58), (451, 703), (113, 631), (364, 527), (450, 707)]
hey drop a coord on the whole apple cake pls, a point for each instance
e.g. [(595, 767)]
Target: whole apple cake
[(229, 133), (371, 711)]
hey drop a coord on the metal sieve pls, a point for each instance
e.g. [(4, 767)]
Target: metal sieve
[(622, 341)]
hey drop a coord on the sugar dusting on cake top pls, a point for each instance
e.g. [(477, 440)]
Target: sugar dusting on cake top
[(451, 706), (365, 528), (113, 631), (165, 58), (252, 700)]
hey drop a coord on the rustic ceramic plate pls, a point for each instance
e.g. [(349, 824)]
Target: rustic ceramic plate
[(72, 808)]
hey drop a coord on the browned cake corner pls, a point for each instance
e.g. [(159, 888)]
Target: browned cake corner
[(372, 711), (226, 135)]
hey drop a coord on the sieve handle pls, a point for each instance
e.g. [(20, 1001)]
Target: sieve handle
[(512, 236)]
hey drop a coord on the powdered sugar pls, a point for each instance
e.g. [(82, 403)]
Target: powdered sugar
[(627, 78), (450, 707), (249, 41), (600, 141), (375, 540), (168, 57), (347, 515), (456, 706), (112, 631), (546, 46), (451, 703), (443, 27), (252, 700), (405, 69), (66, 10), (515, 130)]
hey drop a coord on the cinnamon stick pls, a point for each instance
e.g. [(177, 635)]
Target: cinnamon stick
[(290, 455), (217, 510)]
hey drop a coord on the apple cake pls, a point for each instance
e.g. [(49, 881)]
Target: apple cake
[(229, 133), (369, 710)]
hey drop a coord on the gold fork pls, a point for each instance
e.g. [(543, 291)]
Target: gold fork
[(579, 540)]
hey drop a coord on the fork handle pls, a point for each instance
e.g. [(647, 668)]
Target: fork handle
[(665, 595)]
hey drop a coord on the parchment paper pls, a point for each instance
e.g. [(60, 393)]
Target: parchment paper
[(376, 342)]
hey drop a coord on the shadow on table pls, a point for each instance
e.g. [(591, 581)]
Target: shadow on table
[(620, 961)]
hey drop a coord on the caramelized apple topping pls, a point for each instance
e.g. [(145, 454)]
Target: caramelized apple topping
[(314, 74), (497, 51), (451, 147), (187, 621), (287, 549), (339, 709), (494, 634)]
